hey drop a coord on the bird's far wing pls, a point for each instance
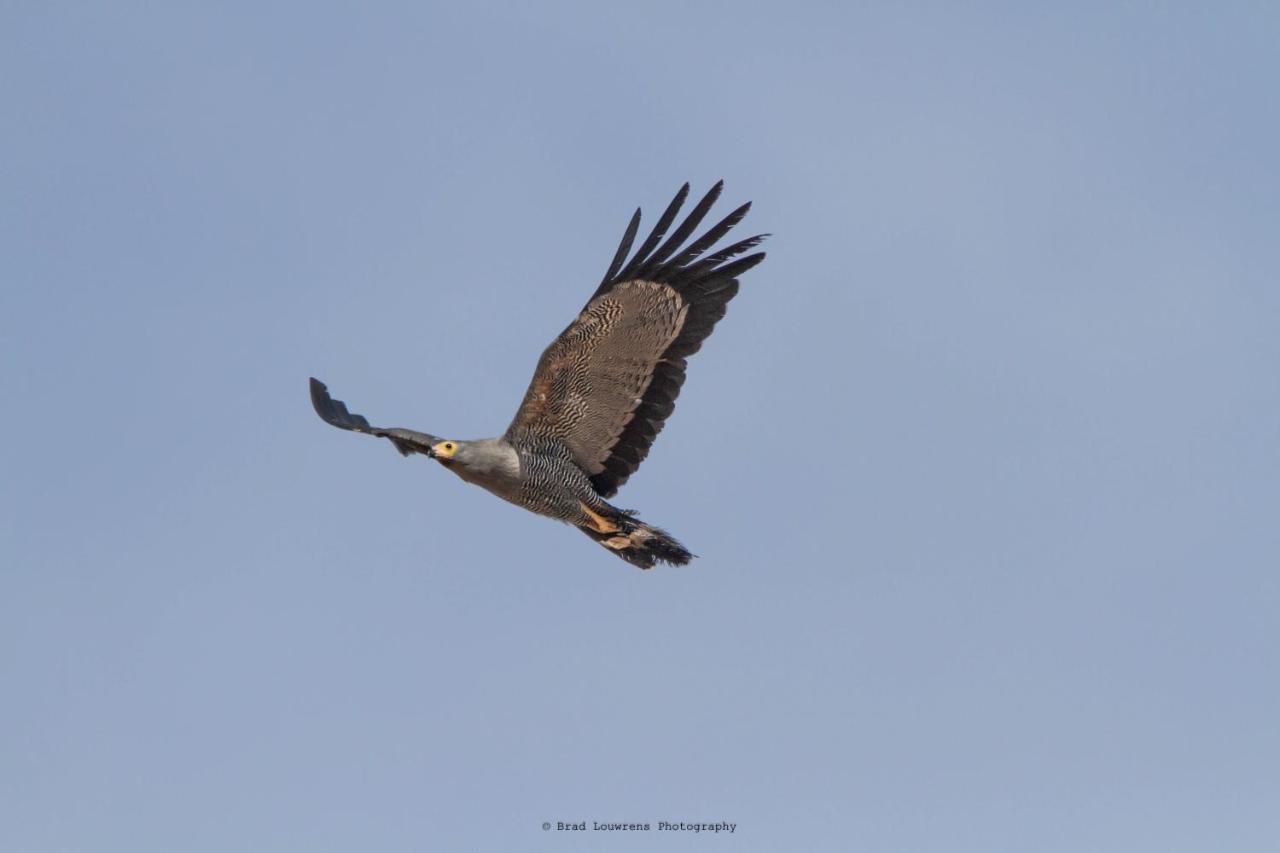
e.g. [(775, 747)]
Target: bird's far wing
[(334, 412), (608, 383)]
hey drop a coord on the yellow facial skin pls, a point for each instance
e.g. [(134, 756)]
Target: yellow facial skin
[(444, 449)]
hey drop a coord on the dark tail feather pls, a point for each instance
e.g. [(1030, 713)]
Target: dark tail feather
[(641, 544)]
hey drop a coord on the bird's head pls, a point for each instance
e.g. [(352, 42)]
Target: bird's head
[(490, 462), (447, 452)]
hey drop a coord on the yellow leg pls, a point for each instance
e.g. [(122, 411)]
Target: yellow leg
[(598, 522)]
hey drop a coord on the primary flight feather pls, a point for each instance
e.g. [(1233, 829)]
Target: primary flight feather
[(604, 388)]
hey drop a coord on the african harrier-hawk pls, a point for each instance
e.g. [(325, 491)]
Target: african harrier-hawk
[(603, 389)]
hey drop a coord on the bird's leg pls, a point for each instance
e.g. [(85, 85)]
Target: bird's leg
[(598, 522)]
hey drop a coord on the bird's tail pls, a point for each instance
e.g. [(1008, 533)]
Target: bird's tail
[(640, 544)]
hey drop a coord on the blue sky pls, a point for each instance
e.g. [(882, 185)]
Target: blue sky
[(982, 467)]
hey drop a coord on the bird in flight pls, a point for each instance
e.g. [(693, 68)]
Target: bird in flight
[(604, 388)]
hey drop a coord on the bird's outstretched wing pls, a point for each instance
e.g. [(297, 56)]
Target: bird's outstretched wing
[(334, 412), (607, 385)]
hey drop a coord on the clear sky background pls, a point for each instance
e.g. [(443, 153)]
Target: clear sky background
[(983, 466)]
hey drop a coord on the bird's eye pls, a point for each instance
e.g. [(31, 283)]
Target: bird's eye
[(448, 445)]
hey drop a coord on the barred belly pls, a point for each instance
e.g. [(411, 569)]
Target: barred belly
[(553, 485)]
